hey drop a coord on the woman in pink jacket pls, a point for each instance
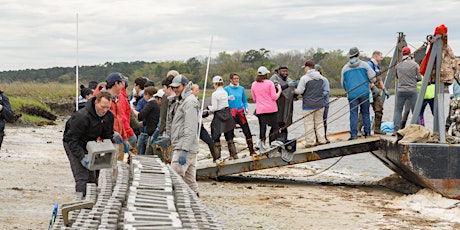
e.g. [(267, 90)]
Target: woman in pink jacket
[(265, 95)]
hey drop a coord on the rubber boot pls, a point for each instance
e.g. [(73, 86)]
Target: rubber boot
[(232, 149), (212, 149), (250, 146), (217, 150), (377, 124)]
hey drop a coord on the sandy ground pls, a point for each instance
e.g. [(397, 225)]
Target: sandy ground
[(35, 174)]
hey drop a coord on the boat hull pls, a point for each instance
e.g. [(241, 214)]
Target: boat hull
[(429, 165)]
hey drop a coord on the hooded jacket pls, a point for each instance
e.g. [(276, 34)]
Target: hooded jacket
[(356, 75), (314, 89), (184, 126), (85, 125)]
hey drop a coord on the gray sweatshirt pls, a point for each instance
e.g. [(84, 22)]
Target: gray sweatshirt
[(407, 75)]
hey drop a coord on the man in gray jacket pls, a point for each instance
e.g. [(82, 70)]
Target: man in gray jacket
[(314, 89), (184, 131), (407, 75)]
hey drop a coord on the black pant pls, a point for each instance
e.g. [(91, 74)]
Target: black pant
[(81, 175), (204, 136), (228, 136), (244, 127), (268, 119)]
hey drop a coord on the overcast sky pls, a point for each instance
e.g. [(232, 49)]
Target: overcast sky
[(42, 33)]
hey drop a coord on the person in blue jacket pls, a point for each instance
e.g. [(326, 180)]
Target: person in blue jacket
[(238, 104), (356, 77)]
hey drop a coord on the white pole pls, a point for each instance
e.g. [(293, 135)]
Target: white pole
[(204, 90), (76, 74)]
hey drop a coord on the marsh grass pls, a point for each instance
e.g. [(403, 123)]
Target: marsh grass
[(38, 95), (41, 92)]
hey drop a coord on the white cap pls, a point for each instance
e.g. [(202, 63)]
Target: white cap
[(262, 70), (159, 93), (217, 79)]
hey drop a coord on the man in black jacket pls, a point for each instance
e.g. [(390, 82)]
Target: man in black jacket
[(93, 122), (6, 114)]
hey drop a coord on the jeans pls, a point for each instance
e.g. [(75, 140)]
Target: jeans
[(401, 98), (142, 142), (363, 104), (425, 103)]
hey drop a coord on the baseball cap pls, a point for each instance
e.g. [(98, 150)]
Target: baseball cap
[(172, 73), (179, 80), (159, 93), (317, 67), (282, 67), (405, 50), (217, 79), (262, 70), (114, 77), (353, 52), (309, 63)]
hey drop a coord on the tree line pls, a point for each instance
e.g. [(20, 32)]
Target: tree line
[(245, 63)]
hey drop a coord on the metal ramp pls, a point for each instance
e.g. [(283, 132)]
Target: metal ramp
[(338, 147)]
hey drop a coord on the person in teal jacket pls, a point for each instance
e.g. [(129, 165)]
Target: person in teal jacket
[(238, 103)]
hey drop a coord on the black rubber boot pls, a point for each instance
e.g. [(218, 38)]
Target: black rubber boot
[(250, 146)]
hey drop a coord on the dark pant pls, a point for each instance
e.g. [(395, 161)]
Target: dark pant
[(325, 113), (81, 175), (204, 136), (422, 111), (268, 119), (2, 132), (244, 127), (228, 136)]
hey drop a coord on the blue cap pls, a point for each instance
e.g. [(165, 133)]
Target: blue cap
[(114, 77)]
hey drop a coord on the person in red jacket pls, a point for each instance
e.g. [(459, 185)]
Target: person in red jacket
[(115, 83)]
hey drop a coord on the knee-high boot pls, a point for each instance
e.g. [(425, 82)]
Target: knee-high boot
[(232, 149), (212, 149), (250, 146), (217, 150)]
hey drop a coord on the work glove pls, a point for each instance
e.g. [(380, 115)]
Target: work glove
[(126, 146), (117, 138), (163, 141), (292, 84), (231, 97), (132, 140), (205, 114), (183, 155), (85, 162), (386, 93)]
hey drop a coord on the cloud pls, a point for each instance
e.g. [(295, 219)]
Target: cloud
[(42, 34)]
